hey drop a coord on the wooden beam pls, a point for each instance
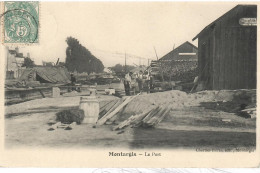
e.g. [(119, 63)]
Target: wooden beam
[(113, 107), (111, 114), (41, 93), (135, 119)]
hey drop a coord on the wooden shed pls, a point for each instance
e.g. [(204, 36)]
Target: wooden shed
[(227, 50), (185, 52)]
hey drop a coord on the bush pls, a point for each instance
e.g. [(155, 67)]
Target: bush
[(70, 116)]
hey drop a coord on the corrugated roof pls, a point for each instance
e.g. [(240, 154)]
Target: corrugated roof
[(50, 74)]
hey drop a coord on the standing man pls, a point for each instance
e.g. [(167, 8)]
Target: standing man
[(127, 83), (146, 80), (151, 83), (140, 81), (134, 83), (73, 81)]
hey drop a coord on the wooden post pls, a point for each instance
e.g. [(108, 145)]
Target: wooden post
[(155, 53)]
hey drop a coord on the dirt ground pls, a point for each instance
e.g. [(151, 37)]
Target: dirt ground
[(190, 126)]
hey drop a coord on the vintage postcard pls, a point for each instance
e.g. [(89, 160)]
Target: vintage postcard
[(129, 84)]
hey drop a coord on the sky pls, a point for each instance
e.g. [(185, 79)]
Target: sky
[(112, 29)]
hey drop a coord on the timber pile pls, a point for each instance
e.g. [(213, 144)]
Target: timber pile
[(185, 76), (251, 112), (149, 118), (133, 121), (109, 107), (111, 110), (184, 71), (156, 116)]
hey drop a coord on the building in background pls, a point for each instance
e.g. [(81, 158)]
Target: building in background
[(227, 50), (180, 64), (14, 63), (184, 52)]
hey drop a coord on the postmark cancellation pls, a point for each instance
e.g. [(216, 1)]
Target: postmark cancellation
[(20, 21)]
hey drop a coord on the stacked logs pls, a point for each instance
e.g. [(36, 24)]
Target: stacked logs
[(146, 119)]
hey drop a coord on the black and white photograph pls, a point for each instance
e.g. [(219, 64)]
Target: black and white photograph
[(136, 79)]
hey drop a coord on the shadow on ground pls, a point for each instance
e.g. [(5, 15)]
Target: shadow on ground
[(230, 107), (164, 138), (241, 100), (40, 110)]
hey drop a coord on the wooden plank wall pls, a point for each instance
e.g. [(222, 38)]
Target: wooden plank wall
[(231, 54), (227, 54), (253, 58), (216, 59)]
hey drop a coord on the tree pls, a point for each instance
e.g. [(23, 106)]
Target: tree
[(118, 68), (28, 63), (80, 59)]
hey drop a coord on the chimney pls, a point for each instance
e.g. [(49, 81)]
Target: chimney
[(17, 50), (28, 55)]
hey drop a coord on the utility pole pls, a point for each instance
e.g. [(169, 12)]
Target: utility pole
[(155, 53)]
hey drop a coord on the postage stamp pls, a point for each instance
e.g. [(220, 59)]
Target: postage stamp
[(21, 21)]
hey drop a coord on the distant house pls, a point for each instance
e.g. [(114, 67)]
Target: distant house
[(185, 52), (227, 50), (48, 64), (14, 62)]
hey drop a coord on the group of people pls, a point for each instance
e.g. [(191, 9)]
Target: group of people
[(138, 82), (132, 82)]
